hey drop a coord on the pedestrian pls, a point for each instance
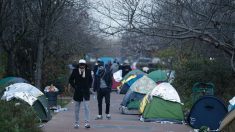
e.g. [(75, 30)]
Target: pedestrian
[(102, 85), (97, 64), (81, 80), (125, 68), (115, 66)]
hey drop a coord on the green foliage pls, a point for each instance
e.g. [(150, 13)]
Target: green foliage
[(15, 117), (166, 53), (55, 73), (198, 69)]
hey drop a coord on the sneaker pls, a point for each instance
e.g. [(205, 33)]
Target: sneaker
[(108, 116), (99, 117), (76, 126), (87, 125)]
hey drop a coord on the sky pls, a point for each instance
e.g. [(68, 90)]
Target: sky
[(105, 21), (102, 19)]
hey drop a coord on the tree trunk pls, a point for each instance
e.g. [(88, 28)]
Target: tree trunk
[(11, 64), (39, 62)]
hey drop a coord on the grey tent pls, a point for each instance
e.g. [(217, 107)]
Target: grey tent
[(228, 123), (30, 94)]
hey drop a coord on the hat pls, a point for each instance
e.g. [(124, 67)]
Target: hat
[(82, 61), (126, 62)]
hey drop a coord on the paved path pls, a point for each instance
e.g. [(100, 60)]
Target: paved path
[(63, 121)]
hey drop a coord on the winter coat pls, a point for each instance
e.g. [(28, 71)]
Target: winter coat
[(81, 85), (125, 69), (107, 78)]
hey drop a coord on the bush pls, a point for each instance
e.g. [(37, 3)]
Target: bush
[(17, 117), (203, 70)]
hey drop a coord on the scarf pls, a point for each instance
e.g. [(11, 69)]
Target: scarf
[(82, 72)]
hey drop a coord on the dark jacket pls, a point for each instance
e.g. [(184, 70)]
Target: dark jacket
[(107, 78), (81, 85), (125, 69)]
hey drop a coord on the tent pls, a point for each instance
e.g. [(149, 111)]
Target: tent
[(135, 94), (115, 84), (158, 76), (207, 111), (143, 85), (228, 123), (231, 105), (133, 72), (31, 95), (8, 81), (116, 79), (162, 104), (106, 59), (130, 103), (130, 80)]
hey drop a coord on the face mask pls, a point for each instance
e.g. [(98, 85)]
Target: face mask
[(82, 66)]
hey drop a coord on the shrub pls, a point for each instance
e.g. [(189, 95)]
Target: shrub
[(203, 70), (17, 117)]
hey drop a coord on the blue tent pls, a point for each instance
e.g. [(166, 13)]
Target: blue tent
[(125, 87), (106, 59), (207, 111)]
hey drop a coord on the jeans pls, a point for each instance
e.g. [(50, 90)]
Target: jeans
[(105, 92), (86, 109)]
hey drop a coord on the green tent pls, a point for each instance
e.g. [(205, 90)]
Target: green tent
[(8, 81), (158, 75), (159, 109), (31, 95), (162, 104), (41, 108)]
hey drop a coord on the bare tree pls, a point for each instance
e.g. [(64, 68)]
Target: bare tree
[(209, 21), (45, 14), (13, 29)]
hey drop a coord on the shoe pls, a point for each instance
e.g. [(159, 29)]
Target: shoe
[(99, 117), (108, 116), (76, 126), (87, 125)]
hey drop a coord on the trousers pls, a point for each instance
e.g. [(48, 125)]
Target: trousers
[(86, 111), (103, 93)]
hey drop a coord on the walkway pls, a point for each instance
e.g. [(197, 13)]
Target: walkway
[(63, 121)]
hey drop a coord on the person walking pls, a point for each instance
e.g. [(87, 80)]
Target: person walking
[(125, 68), (115, 66), (102, 85), (81, 80)]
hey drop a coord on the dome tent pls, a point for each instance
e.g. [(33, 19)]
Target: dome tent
[(130, 80), (162, 104), (136, 92), (8, 81), (31, 95), (207, 111), (133, 72), (158, 76)]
